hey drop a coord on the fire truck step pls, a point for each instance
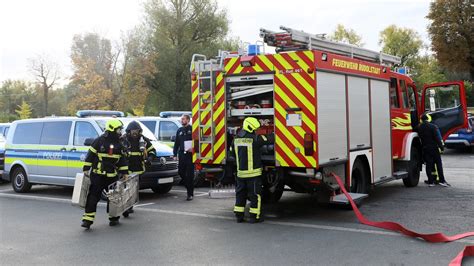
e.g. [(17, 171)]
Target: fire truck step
[(341, 198), (400, 174)]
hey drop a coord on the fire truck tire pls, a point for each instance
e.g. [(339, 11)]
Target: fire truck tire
[(199, 180), (413, 169), (360, 182), (271, 197), (162, 189)]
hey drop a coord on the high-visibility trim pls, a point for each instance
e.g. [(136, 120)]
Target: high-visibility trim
[(136, 172), (239, 209), (92, 149), (136, 153), (87, 164), (122, 168), (97, 171), (249, 173), (106, 155), (88, 217), (150, 148), (257, 210)]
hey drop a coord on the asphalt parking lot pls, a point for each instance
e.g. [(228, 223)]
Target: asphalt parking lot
[(42, 227)]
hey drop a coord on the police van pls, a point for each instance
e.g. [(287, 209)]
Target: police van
[(165, 126), (52, 151)]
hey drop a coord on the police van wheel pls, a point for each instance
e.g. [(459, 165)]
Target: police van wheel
[(162, 189), (413, 169), (20, 181)]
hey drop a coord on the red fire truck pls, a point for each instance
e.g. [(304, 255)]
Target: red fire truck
[(332, 107)]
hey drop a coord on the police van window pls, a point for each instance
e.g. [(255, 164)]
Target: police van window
[(6, 131), (150, 125), (83, 131), (167, 130), (403, 88), (394, 93), (56, 133), (27, 133)]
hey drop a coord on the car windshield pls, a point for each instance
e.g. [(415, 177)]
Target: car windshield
[(146, 132)]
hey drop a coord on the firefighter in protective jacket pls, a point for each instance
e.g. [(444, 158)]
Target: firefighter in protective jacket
[(246, 148), (139, 151), (104, 161)]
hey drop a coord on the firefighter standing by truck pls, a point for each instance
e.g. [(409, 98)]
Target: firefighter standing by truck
[(139, 151), (183, 150), (246, 148), (104, 161), (432, 146)]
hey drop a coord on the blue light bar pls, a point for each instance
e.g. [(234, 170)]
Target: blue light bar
[(88, 113)]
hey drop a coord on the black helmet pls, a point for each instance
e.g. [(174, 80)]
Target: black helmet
[(134, 125)]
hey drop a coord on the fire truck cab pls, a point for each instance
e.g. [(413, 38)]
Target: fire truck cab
[(331, 107)]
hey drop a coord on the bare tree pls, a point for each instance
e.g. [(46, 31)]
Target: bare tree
[(46, 74)]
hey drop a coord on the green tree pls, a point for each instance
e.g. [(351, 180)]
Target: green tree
[(425, 70), (177, 29), (24, 110), (452, 34), (12, 94), (92, 61), (402, 42), (346, 35)]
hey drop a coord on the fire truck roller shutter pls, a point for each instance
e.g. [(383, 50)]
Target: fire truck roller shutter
[(331, 112), (381, 131), (359, 115)]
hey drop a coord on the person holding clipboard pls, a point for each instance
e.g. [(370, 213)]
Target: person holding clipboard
[(183, 150)]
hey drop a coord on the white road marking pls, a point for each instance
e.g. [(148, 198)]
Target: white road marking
[(144, 204), (212, 216)]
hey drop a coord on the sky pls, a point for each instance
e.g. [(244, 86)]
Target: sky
[(29, 28)]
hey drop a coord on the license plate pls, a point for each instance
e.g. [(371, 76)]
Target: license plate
[(165, 180)]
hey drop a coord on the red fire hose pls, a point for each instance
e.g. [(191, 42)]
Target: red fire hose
[(432, 238)]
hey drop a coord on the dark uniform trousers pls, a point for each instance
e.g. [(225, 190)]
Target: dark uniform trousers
[(248, 188), (98, 184), (432, 159), (186, 171)]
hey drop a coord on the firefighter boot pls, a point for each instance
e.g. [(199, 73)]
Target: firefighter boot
[(253, 219), (113, 221), (239, 217), (86, 224)]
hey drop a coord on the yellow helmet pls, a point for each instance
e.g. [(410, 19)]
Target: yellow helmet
[(113, 124), (251, 124)]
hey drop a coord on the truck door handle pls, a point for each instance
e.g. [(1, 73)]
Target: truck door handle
[(63, 149), (73, 149)]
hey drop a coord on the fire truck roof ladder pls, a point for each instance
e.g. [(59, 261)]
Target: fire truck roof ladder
[(291, 40), (206, 83)]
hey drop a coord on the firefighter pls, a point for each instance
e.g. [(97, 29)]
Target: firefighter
[(182, 149), (432, 147), (104, 161), (246, 149), (139, 151)]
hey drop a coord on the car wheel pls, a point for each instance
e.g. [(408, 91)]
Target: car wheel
[(162, 189), (413, 169), (20, 181)]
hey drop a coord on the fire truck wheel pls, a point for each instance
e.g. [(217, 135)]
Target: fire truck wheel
[(162, 189), (413, 169), (271, 197), (359, 178)]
